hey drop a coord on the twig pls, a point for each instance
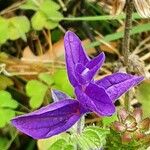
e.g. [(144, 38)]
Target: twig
[(11, 141), (13, 7), (62, 5)]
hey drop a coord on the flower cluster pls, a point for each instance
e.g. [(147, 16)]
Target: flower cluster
[(91, 96), (131, 125)]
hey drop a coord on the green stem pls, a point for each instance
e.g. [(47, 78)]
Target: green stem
[(11, 141), (94, 18)]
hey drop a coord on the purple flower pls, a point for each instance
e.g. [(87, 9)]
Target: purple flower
[(92, 96), (97, 96)]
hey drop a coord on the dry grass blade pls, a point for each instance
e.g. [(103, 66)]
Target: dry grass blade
[(143, 7), (118, 6), (12, 8), (142, 52), (139, 48)]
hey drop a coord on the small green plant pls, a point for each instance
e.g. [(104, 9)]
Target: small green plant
[(38, 89), (13, 28), (7, 106), (44, 11)]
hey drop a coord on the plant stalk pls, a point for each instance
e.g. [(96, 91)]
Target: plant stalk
[(79, 128), (126, 44), (128, 26)]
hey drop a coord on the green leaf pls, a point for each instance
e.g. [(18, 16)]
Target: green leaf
[(3, 30), (5, 82), (7, 104), (30, 4), (18, 26), (69, 147), (61, 82), (6, 116), (53, 14), (46, 78), (36, 90), (38, 20), (6, 100), (49, 5), (57, 142), (3, 143), (51, 24), (49, 8), (42, 18), (143, 95), (92, 138), (108, 120), (58, 145)]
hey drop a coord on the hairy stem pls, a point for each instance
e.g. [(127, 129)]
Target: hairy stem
[(126, 44), (128, 26), (80, 126), (79, 130)]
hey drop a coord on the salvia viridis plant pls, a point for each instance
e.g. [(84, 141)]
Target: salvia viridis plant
[(92, 96)]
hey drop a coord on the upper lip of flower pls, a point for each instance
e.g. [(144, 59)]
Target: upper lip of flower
[(81, 69)]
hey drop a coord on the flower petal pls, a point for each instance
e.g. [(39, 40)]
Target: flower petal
[(126, 137), (95, 64), (95, 99), (50, 120), (74, 53), (137, 114), (130, 123), (118, 83), (84, 74), (118, 126), (144, 125), (122, 114), (58, 95)]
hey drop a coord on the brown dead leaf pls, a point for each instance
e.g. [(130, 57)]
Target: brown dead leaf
[(51, 55)]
